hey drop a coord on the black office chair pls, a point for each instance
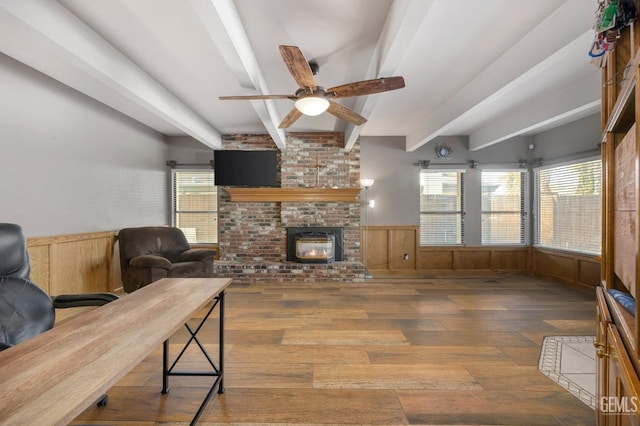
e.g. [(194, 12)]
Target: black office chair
[(25, 309)]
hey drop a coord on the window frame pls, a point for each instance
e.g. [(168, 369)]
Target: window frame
[(524, 210), (461, 212), (536, 207), (175, 212)]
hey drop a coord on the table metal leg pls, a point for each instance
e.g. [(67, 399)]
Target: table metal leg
[(165, 364), (216, 370), (221, 344)]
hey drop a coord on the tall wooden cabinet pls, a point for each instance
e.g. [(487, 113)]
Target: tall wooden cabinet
[(617, 334)]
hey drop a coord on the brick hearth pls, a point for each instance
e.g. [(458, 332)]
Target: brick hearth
[(252, 236), (290, 271)]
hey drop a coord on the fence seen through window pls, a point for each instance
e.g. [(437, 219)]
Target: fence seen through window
[(195, 205), (504, 207), (569, 206), (441, 207)]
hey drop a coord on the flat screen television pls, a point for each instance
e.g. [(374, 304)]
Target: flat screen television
[(245, 168)]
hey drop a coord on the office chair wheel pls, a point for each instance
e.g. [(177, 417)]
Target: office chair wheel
[(103, 401)]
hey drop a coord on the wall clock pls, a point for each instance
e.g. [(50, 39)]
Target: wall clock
[(442, 151)]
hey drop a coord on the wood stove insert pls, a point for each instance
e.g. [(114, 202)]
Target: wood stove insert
[(315, 244), (315, 247)]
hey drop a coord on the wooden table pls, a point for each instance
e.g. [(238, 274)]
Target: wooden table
[(53, 377)]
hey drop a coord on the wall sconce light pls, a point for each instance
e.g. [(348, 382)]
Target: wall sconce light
[(367, 183), (372, 203)]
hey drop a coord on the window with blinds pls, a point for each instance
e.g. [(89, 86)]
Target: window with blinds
[(195, 205), (441, 207), (569, 206), (504, 207)]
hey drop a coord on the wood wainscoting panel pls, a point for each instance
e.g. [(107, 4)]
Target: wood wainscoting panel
[(387, 246), (81, 266), (436, 259), (473, 259), (510, 259), (480, 259), (115, 278), (402, 253), (556, 265), (568, 268), (588, 273), (40, 269), (377, 248), (77, 263)]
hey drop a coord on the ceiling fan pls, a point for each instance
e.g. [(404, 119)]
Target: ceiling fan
[(314, 100)]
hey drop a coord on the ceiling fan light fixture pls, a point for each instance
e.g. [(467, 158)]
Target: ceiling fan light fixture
[(311, 99), (312, 105)]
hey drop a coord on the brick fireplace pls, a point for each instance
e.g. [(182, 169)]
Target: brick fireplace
[(253, 235)]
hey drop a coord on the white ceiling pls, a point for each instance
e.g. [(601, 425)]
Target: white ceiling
[(489, 69)]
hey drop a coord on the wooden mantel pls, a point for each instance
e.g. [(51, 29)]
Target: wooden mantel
[(313, 194)]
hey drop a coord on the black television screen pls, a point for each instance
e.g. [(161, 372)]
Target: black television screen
[(246, 168)]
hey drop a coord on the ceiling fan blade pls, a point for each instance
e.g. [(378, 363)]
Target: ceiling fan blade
[(367, 87), (345, 113), (291, 118), (255, 97), (298, 66)]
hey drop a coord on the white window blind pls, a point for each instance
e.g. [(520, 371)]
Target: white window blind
[(569, 206), (195, 205), (441, 207), (504, 207)]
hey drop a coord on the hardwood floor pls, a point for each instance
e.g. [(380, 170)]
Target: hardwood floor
[(386, 351)]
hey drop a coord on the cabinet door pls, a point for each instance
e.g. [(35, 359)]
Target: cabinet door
[(603, 319), (621, 406), (625, 212)]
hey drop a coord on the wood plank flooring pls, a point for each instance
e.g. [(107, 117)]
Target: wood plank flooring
[(384, 352)]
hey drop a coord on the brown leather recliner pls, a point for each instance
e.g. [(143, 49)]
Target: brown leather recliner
[(150, 253)]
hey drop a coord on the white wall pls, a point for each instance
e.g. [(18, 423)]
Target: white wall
[(396, 190), (574, 140), (187, 150), (72, 165), (396, 185)]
